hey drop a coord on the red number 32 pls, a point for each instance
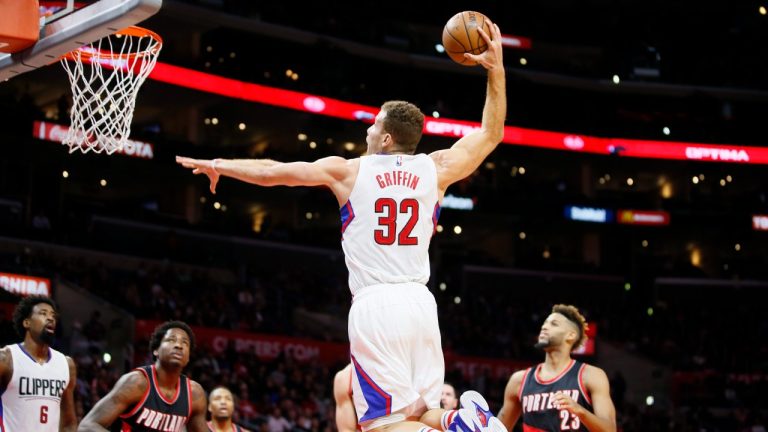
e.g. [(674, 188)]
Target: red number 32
[(388, 208)]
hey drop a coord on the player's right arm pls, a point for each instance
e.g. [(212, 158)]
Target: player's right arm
[(125, 395), (334, 172), (6, 366), (510, 411), (464, 157), (346, 419)]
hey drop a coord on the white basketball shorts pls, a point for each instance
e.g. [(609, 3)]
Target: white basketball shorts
[(397, 357)]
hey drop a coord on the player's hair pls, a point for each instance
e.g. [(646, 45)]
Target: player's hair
[(405, 122), (24, 310), (160, 330), (222, 386), (574, 316)]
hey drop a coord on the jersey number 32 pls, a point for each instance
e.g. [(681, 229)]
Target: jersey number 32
[(389, 209)]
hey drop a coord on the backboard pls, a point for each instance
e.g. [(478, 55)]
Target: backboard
[(83, 25)]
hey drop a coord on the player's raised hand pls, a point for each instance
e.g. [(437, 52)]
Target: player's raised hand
[(201, 166), (492, 57)]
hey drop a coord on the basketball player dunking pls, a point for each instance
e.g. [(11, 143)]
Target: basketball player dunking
[(561, 393), (156, 397), (389, 202), (37, 383)]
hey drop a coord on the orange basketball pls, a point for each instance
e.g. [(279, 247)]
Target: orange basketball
[(460, 36)]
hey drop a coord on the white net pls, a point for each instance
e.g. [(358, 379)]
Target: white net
[(105, 77)]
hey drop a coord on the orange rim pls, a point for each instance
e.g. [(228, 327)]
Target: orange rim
[(129, 31)]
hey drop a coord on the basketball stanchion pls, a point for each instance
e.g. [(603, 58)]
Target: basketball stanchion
[(105, 77)]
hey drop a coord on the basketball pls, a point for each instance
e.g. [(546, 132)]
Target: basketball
[(460, 36)]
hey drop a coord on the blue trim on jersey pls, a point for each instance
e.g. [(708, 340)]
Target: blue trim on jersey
[(435, 217), (347, 214), (50, 354), (379, 402)]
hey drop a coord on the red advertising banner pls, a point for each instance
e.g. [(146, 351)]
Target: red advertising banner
[(517, 42), (269, 347), (588, 348), (24, 285), (678, 150), (473, 366), (265, 347), (642, 217), (56, 133), (760, 222)]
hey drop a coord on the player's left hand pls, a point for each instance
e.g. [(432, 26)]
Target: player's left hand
[(564, 402), (491, 58), (201, 166)]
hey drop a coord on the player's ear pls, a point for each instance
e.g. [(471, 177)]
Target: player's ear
[(571, 337), (388, 142)]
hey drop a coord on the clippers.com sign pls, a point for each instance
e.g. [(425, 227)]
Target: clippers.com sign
[(25, 285), (267, 348)]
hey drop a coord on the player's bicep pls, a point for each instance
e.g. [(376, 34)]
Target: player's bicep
[(322, 172), (600, 392), (68, 418), (126, 393), (199, 408), (512, 408), (457, 162)]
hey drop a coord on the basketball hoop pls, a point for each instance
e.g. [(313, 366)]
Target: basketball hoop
[(105, 77)]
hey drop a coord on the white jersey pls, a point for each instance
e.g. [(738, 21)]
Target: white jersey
[(32, 400), (389, 220)]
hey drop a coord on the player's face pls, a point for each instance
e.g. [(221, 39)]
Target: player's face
[(221, 403), (376, 135), (554, 331), (448, 397), (41, 323), (174, 348)]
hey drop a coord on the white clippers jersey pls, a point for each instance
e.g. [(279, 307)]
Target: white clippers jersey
[(32, 400), (389, 220)]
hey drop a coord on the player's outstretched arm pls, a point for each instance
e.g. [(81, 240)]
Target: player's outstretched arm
[(265, 172), (346, 419), (199, 408), (466, 155), (126, 393), (604, 417), (511, 408), (68, 418)]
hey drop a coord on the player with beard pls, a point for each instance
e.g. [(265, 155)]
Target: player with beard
[(155, 397), (561, 393), (221, 405), (37, 383)]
